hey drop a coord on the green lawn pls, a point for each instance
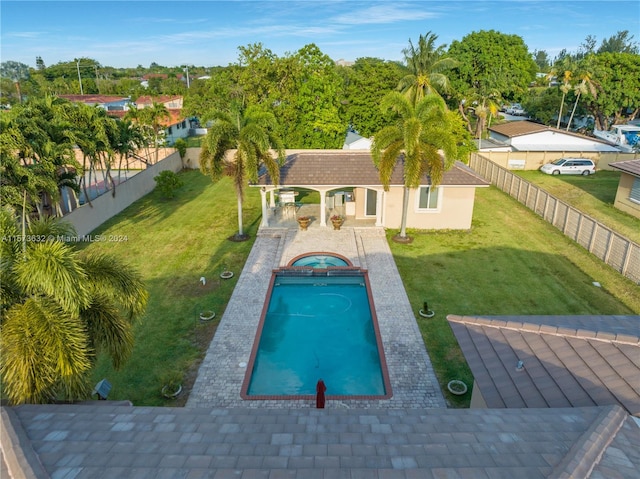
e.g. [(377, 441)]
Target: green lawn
[(173, 243), (593, 195), (511, 262)]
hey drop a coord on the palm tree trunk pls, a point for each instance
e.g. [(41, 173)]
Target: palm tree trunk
[(560, 113), (240, 227), (405, 209), (573, 111)]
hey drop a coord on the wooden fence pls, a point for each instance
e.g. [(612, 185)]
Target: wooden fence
[(615, 250)]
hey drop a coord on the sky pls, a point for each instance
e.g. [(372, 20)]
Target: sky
[(122, 33)]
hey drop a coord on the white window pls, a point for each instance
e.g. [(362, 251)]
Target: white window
[(429, 199), (635, 191)]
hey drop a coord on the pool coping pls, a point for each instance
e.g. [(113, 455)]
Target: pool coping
[(221, 373), (318, 272)]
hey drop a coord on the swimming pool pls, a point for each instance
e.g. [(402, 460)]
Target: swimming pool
[(320, 260), (317, 324)]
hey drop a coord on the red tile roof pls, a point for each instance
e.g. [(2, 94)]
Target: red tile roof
[(351, 167), (94, 99)]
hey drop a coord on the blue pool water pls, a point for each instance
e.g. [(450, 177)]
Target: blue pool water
[(317, 327), (320, 261)]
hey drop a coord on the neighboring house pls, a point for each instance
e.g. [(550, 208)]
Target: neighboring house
[(349, 184), (177, 125), (111, 103), (353, 141), (529, 136), (489, 144), (552, 361), (628, 194)]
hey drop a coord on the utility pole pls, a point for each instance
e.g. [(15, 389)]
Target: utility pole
[(186, 69), (79, 77)]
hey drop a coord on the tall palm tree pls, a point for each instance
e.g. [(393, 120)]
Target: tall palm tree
[(428, 65), (60, 309), (586, 86), (252, 134), (426, 139)]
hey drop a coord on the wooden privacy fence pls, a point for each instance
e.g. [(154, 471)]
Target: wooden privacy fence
[(615, 250)]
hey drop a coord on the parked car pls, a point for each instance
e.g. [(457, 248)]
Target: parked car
[(516, 109), (570, 166)]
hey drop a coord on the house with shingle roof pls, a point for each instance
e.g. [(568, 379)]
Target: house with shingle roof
[(107, 440), (529, 136), (552, 361), (349, 184), (628, 193)]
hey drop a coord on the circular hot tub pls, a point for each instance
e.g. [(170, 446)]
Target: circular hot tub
[(320, 260)]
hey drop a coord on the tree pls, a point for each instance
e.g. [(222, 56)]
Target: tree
[(150, 120), (60, 309), (587, 86), (363, 84), (618, 99), (428, 65), (252, 134), (492, 61), (426, 138), (621, 42), (36, 149), (17, 72), (310, 107), (541, 57)]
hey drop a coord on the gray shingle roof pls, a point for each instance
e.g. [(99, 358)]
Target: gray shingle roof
[(101, 440), (354, 168), (568, 360)]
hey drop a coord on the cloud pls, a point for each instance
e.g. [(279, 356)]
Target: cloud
[(381, 14)]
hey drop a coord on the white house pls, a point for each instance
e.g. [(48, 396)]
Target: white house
[(529, 136), (354, 141)]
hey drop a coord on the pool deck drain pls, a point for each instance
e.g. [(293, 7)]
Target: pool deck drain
[(413, 381)]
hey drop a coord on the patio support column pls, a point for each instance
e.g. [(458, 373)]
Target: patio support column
[(323, 208), (272, 198), (380, 201), (263, 200)]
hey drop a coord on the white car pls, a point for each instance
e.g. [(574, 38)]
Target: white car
[(570, 166), (516, 110)]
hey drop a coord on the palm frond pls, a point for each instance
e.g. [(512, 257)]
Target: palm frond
[(108, 331), (110, 277), (44, 352), (52, 269)]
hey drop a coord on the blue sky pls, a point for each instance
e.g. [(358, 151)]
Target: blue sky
[(208, 33)]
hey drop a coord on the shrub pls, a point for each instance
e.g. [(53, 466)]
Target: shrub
[(168, 182)]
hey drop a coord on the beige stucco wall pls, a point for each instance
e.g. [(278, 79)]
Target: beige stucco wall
[(622, 201), (535, 159), (455, 212), (86, 218)]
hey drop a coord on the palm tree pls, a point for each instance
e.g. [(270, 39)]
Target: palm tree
[(586, 86), (428, 66), (426, 138), (567, 66), (252, 134), (60, 309)]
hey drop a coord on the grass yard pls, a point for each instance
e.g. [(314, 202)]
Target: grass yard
[(173, 243), (511, 262), (593, 195)]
